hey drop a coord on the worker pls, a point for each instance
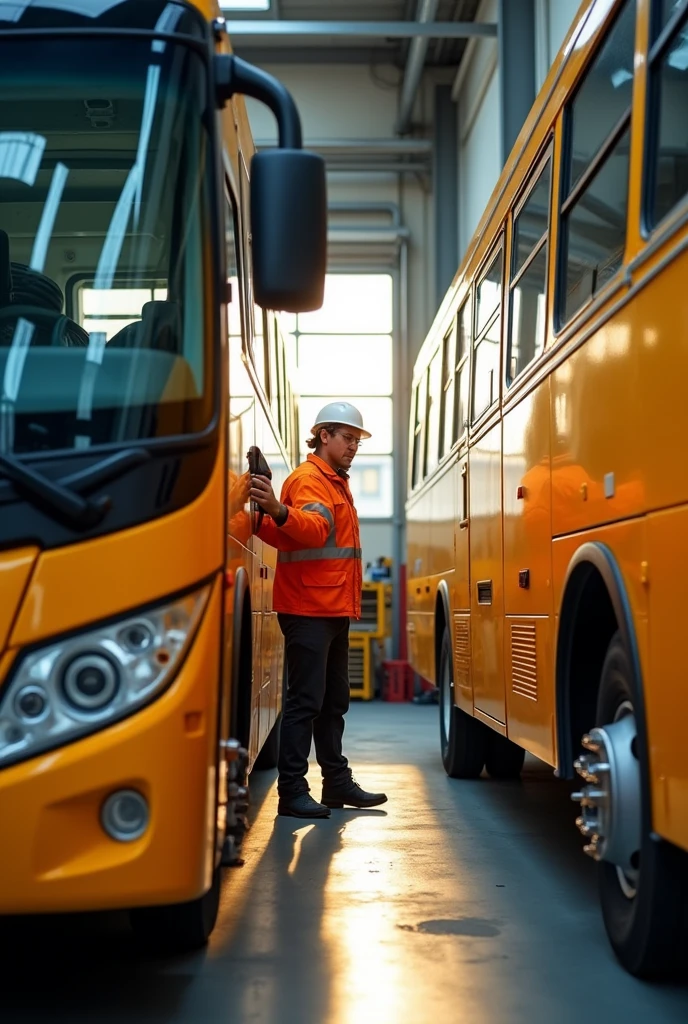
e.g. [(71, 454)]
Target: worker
[(318, 583)]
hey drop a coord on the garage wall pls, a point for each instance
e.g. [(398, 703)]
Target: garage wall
[(344, 102), (477, 92)]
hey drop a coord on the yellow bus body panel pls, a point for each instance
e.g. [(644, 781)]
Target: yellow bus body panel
[(56, 856), (585, 446)]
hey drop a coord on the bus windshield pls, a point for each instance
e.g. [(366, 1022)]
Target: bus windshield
[(105, 334)]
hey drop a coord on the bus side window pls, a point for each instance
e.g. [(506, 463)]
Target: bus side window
[(529, 277), (488, 323), (286, 433), (666, 181), (234, 307), (447, 408), (274, 371), (594, 203), (432, 435), (418, 431), (463, 350), (258, 353)]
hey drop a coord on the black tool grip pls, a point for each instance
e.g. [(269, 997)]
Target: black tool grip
[(257, 466)]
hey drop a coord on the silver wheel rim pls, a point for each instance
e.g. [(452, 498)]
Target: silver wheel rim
[(610, 817), (446, 700)]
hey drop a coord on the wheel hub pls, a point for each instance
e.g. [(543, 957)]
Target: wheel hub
[(610, 800)]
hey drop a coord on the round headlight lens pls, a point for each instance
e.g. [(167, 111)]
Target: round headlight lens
[(90, 682), (136, 637), (31, 703)]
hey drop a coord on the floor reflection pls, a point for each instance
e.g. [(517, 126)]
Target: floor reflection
[(459, 901)]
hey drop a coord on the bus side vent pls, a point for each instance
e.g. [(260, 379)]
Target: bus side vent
[(462, 651), (485, 592), (524, 659)]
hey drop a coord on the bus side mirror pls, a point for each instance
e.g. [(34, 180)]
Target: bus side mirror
[(289, 229), (288, 197)]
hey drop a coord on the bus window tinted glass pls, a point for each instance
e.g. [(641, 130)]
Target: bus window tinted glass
[(486, 375), (447, 411), (670, 172), (463, 347), (120, 202), (489, 294), (605, 94), (419, 405), (433, 434), (528, 315), (596, 229), (666, 10), (533, 220)]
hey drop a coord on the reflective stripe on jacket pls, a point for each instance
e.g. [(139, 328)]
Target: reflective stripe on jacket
[(319, 568)]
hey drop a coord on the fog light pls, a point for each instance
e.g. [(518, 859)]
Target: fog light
[(125, 815)]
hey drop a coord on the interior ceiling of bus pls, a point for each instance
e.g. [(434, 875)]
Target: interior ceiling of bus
[(322, 49)]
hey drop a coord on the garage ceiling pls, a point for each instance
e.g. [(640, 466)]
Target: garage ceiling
[(335, 47)]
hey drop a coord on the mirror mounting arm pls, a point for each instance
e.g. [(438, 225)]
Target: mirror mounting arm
[(234, 75)]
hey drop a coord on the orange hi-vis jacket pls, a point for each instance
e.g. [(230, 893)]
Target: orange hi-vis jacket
[(319, 569)]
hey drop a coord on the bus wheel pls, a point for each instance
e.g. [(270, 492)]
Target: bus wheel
[(504, 759), (642, 880), (179, 927), (463, 739)]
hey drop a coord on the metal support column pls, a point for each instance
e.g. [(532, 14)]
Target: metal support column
[(402, 389), (446, 190), (516, 31)]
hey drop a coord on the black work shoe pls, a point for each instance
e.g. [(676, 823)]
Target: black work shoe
[(351, 794), (302, 806)]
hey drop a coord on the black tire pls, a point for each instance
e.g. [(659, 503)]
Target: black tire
[(504, 759), (463, 739), (269, 754), (179, 927), (648, 930)]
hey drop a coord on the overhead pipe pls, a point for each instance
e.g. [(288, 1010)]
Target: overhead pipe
[(427, 10)]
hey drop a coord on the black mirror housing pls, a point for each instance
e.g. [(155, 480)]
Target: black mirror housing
[(288, 197), (289, 229)]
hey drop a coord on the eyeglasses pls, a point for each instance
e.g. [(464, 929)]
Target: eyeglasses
[(351, 441)]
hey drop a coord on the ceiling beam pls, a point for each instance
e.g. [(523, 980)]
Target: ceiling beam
[(427, 9), (361, 29)]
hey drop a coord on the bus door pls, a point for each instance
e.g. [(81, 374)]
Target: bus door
[(462, 602), (485, 499)]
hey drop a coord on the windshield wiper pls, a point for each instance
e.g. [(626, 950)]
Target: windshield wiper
[(106, 470), (82, 513)]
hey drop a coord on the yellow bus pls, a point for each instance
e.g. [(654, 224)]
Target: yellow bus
[(138, 364), (548, 488)]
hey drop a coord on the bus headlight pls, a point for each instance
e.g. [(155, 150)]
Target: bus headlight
[(76, 686)]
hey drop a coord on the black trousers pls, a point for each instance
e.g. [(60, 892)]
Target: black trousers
[(317, 698)]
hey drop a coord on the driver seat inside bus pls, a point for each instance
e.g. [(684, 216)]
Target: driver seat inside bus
[(25, 290)]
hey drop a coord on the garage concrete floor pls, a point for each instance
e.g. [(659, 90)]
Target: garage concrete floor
[(457, 901)]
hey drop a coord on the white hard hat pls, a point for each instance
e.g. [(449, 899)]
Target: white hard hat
[(340, 412)]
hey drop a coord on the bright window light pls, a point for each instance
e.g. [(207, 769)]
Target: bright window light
[(246, 5)]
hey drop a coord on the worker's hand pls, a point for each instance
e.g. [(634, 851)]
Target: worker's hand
[(263, 494), (238, 492)]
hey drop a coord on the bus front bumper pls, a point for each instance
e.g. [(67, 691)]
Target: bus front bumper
[(55, 854)]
